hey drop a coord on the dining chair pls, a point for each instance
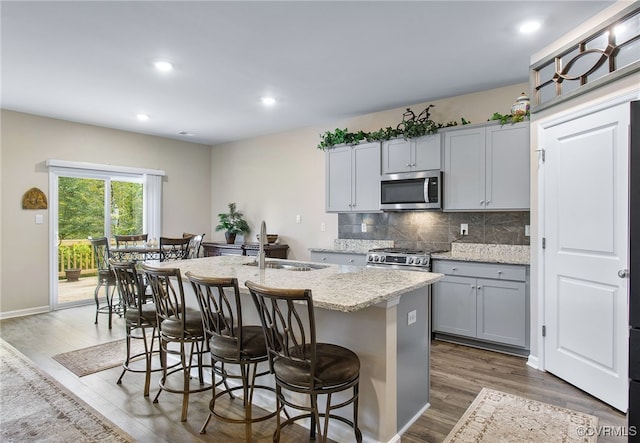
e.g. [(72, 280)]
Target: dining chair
[(174, 248), (127, 241), (181, 334), (194, 246), (139, 316), (106, 278), (231, 342), (300, 364)]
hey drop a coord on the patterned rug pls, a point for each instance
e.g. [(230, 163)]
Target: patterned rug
[(36, 408), (97, 358), (495, 416)]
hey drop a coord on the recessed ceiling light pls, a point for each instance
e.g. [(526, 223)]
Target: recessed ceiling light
[(163, 66), (529, 27), (268, 101), (142, 117)]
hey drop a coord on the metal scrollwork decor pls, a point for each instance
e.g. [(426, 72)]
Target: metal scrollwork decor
[(34, 198), (605, 54)]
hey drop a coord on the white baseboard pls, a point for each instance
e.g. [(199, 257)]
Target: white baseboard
[(24, 312), (532, 361)]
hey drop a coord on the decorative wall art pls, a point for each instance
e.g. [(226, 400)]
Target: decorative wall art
[(34, 198)]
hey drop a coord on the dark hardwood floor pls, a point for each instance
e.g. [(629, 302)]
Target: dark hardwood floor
[(458, 373)]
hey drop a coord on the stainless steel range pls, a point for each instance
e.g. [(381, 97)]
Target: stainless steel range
[(400, 258)]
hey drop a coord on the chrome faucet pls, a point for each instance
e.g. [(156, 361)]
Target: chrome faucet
[(263, 241)]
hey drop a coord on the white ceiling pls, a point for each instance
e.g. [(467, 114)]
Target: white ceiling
[(91, 61)]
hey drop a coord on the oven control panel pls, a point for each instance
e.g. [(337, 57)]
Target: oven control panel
[(398, 260)]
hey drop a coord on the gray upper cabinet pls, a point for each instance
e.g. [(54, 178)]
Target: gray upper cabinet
[(353, 178), (487, 168), (408, 155)]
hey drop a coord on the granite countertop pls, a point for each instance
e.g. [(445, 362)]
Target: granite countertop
[(488, 253), (334, 287), (350, 246)]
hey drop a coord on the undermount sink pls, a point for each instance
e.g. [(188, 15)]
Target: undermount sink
[(289, 266)]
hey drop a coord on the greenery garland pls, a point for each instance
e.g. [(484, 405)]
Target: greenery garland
[(406, 128)]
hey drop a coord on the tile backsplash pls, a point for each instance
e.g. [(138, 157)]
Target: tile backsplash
[(434, 229)]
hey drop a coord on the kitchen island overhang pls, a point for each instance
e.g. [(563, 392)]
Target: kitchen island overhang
[(365, 310)]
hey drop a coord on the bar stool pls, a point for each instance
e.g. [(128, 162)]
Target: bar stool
[(181, 326), (139, 317), (106, 278), (300, 364), (231, 343)]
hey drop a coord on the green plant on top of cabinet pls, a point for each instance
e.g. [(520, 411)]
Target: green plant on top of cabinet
[(414, 154), (486, 167), (353, 178)]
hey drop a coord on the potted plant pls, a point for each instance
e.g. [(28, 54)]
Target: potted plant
[(232, 223)]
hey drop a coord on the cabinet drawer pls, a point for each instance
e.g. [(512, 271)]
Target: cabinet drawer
[(339, 258), (481, 270)]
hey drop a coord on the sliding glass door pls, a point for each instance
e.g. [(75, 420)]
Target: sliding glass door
[(90, 205)]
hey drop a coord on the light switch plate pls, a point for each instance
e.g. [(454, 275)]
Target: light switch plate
[(323, 226), (39, 219), (411, 317), (527, 231), (363, 227)]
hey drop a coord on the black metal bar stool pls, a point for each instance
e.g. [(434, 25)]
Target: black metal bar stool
[(302, 365), (178, 326), (106, 278), (139, 318), (232, 343)]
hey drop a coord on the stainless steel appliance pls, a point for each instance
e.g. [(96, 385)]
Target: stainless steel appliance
[(411, 190), (400, 258)]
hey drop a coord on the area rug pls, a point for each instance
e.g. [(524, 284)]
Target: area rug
[(495, 416), (36, 408), (97, 358)]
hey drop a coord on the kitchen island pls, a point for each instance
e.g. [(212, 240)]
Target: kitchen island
[(365, 310)]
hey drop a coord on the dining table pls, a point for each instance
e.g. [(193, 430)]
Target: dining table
[(135, 253)]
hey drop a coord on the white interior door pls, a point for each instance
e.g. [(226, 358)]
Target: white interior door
[(586, 231)]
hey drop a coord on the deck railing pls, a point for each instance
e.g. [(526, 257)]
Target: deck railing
[(76, 254)]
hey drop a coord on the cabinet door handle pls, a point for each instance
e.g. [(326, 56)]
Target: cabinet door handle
[(479, 287), (499, 272), (481, 202), (324, 258), (408, 164), (488, 201), (351, 261), (473, 287)]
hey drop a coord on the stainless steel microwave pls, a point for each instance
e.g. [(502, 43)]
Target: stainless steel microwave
[(411, 191)]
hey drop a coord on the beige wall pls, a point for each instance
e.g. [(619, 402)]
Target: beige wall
[(28, 141), (277, 177), (619, 88)]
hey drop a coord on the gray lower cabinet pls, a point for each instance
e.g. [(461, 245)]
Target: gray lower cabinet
[(482, 301), (339, 258)]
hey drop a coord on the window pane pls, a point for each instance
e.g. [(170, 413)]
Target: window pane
[(126, 208)]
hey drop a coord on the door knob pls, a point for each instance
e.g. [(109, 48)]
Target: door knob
[(623, 273)]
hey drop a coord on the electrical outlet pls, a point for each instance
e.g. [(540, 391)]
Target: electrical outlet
[(464, 229), (527, 231), (411, 317), (363, 227), (323, 226), (298, 218)]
